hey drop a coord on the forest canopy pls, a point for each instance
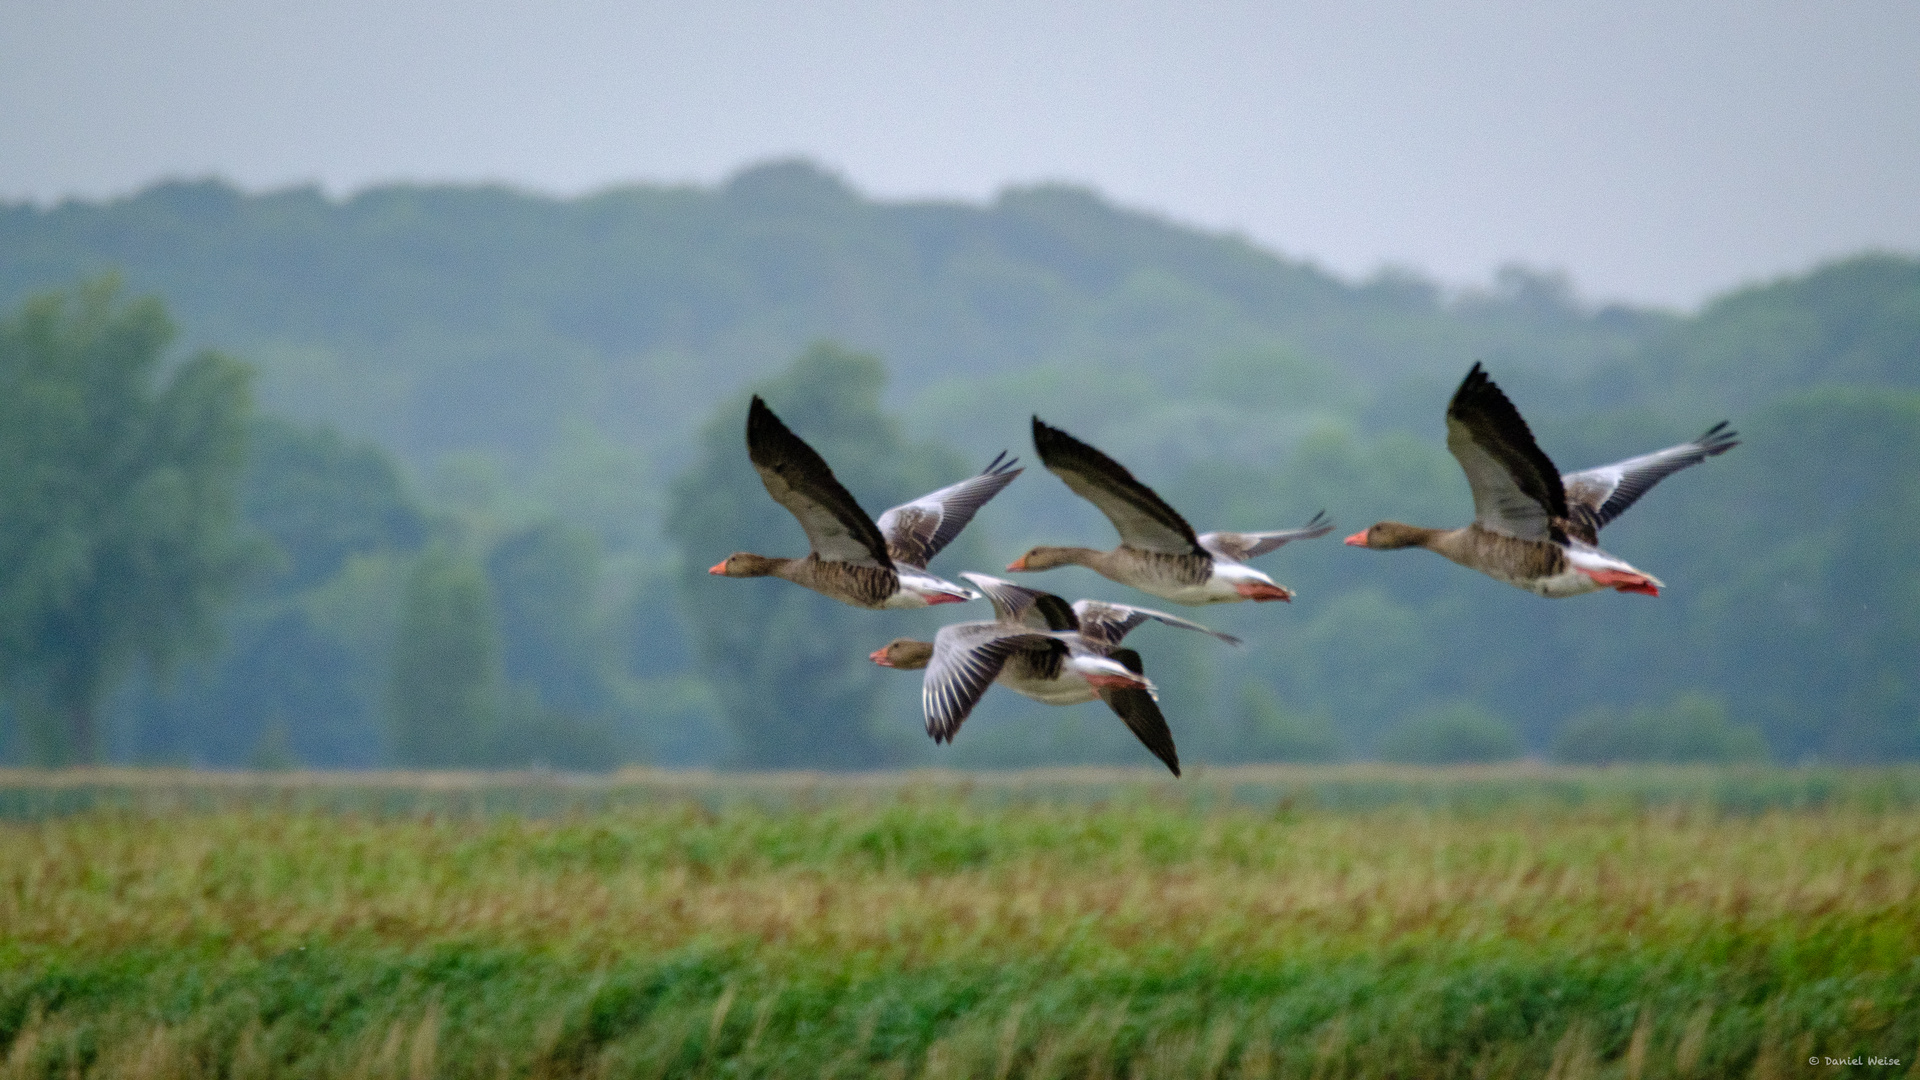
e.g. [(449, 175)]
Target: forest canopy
[(496, 413)]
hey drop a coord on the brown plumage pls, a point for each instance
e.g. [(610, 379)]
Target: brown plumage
[(1150, 571), (849, 583), (1533, 527), (854, 560), (1159, 552), (1043, 648), (1035, 666)]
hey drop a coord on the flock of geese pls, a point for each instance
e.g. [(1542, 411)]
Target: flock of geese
[(1533, 527)]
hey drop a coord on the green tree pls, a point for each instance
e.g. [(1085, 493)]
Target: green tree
[(545, 579), (119, 540), (787, 665), (291, 671), (322, 498), (556, 657), (1459, 733), (1272, 731), (1692, 728), (445, 696)]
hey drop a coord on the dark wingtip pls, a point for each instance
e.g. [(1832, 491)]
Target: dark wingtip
[(1048, 439), (1059, 615), (758, 414), (1473, 385), (1174, 766), (1050, 442), (764, 428), (1476, 378), (756, 411), (1043, 429)]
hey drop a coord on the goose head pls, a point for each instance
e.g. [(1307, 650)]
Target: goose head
[(904, 653), (1389, 536), (744, 564), (1046, 558)]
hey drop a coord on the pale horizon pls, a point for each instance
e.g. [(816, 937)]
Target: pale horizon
[(1655, 156)]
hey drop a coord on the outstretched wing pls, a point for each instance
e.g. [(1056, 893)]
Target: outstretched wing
[(1239, 547), (1105, 624), (1516, 489), (1143, 519), (1027, 607), (917, 531), (967, 657), (1141, 713), (799, 479), (1597, 496)]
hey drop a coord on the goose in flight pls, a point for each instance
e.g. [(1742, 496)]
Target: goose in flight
[(853, 559), (1040, 646), (1159, 552), (1533, 527)]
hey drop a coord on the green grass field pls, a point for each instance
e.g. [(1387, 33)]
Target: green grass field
[(1338, 922)]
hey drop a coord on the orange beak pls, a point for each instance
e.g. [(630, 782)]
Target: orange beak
[(1358, 539), (1018, 564), (879, 656), (1259, 590), (718, 568), (1621, 581)]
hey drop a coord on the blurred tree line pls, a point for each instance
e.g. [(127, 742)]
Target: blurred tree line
[(117, 543), (499, 442)]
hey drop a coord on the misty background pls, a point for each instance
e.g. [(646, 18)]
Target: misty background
[(478, 391), (499, 441), (1661, 153)]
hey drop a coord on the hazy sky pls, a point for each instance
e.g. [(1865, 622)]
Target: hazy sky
[(1655, 151)]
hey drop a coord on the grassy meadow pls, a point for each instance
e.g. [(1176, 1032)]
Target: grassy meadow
[(1337, 922)]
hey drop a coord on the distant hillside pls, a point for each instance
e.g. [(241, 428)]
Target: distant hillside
[(440, 318), (547, 368)]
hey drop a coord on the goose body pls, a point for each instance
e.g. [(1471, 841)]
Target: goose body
[(1534, 528), (1159, 552), (1039, 646), (855, 560)]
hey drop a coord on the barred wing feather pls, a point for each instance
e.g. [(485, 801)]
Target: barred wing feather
[(1516, 490), (1240, 546), (917, 531), (799, 479), (1106, 624), (967, 657), (1143, 519), (1601, 494)]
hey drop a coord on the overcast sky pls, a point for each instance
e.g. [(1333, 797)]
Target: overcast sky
[(1654, 151)]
